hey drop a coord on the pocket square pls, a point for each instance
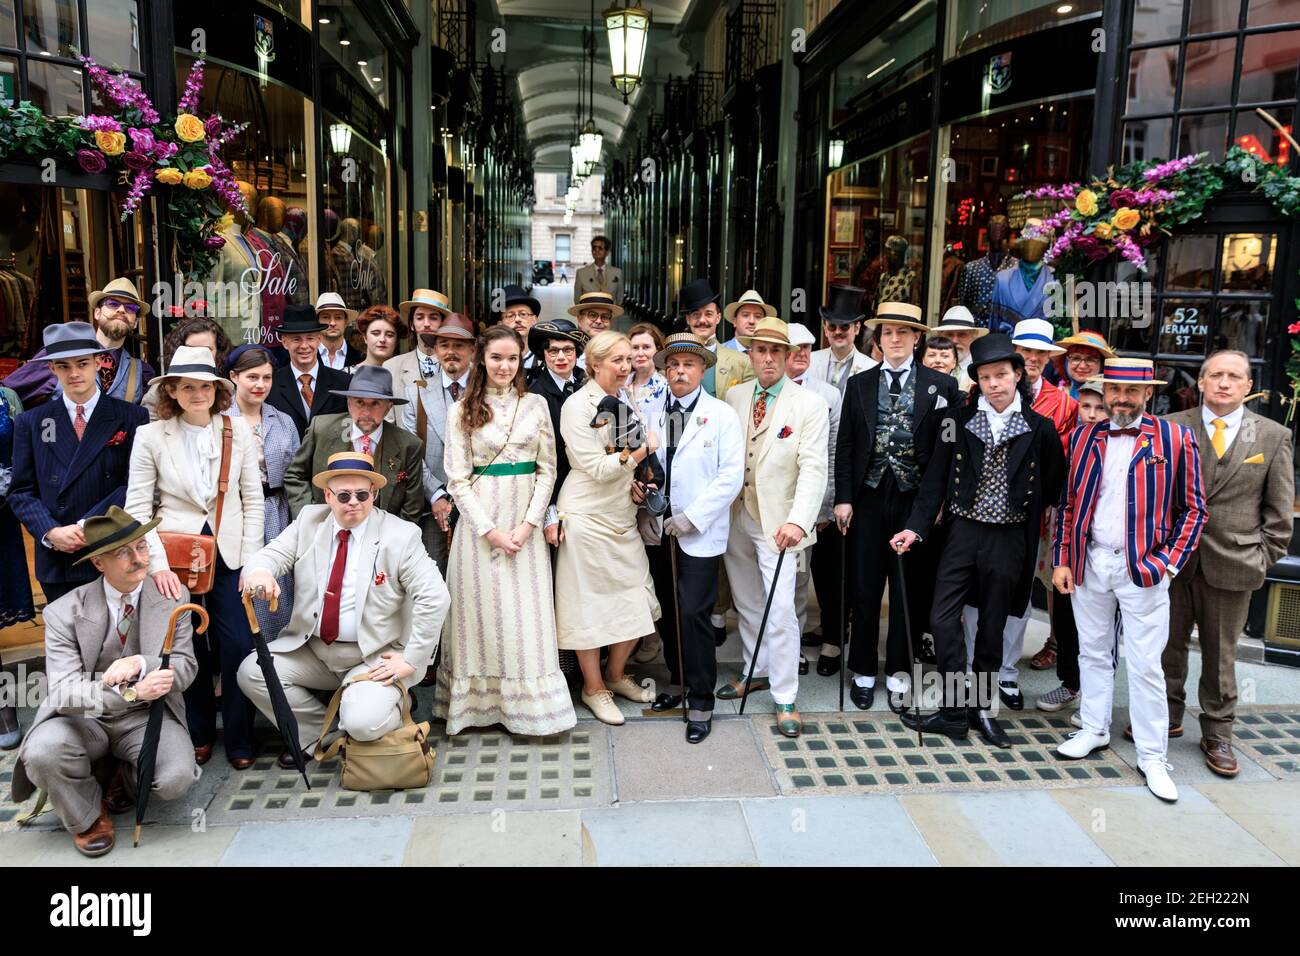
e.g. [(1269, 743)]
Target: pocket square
[(1255, 459)]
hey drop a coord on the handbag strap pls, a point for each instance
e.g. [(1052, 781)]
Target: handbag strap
[(504, 444), (223, 480), (324, 752)]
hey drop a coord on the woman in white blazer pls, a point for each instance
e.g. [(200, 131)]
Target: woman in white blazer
[(178, 459)]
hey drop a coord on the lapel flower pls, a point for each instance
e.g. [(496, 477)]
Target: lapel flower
[(1146, 443), (701, 420), (401, 477), (380, 578), (1156, 460), (118, 438), (785, 432)]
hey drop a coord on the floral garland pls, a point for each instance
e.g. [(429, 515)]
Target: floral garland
[(130, 139)]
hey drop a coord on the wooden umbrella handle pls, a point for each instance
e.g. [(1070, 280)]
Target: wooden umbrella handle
[(171, 623), (252, 614)]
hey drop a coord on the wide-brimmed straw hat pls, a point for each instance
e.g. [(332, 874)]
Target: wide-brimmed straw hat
[(1087, 339), (332, 300), (684, 342), (596, 300), (111, 530), (769, 329), (1035, 334), (194, 362), (750, 297), (959, 319), (429, 297), (349, 463)]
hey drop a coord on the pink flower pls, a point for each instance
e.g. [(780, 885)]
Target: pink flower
[(214, 242), (1294, 328), (1121, 197), (91, 161), (137, 161), (193, 84), (212, 126)]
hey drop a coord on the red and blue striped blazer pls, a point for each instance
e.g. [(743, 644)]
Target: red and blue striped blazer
[(1165, 502)]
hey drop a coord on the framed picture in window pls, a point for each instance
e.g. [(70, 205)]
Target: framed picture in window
[(846, 223)]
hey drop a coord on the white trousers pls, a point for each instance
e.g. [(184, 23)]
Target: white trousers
[(1013, 639), (751, 565), (1145, 616)]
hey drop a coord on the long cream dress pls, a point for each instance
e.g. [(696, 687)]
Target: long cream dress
[(499, 661), (603, 591)]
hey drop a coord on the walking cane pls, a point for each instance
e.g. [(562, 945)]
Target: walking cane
[(762, 626), (677, 617), (844, 618), (907, 628)]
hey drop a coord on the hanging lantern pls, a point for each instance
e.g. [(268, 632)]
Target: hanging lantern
[(340, 138), (590, 143), (836, 153), (628, 30)]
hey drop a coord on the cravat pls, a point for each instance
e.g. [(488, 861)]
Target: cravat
[(1112, 432), (427, 368), (454, 388), (329, 615), (760, 409), (896, 380), (107, 366), (366, 445), (124, 622), (1219, 438), (79, 423), (307, 394)]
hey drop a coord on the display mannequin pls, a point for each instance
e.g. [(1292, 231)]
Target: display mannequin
[(900, 282), (271, 226), (237, 304), (374, 264), (270, 274), (1019, 293), (975, 284)]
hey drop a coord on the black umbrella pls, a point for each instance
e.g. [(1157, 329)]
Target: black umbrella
[(677, 612), (285, 721), (844, 617), (762, 626), (153, 730), (907, 627)]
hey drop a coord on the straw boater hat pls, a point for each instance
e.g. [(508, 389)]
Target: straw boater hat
[(959, 319), (1089, 340), (1035, 334), (370, 381), (427, 297), (680, 342), (543, 332), (769, 329), (111, 530), (194, 362), (332, 300), (898, 313), (1130, 371), (751, 297), (118, 289), (349, 463), (69, 340), (602, 300)]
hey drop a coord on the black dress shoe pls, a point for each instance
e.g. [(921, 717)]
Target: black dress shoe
[(1016, 701), (719, 636), (666, 702), (938, 723), (697, 730), (989, 729), (897, 701), (926, 655), (828, 666), (803, 665), (862, 697), (810, 640), (285, 760)]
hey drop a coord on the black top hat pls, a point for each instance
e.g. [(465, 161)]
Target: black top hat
[(995, 347), (300, 320), (543, 332), (696, 294), (845, 305), (515, 293)]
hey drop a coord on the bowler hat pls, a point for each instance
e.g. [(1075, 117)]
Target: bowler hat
[(696, 294), (370, 381), (111, 530), (995, 347), (70, 340), (300, 319), (515, 294), (845, 305)]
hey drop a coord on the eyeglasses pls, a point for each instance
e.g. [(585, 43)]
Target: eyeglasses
[(516, 314), (345, 497), (1077, 359), (140, 547), (112, 305), (591, 315), (557, 351)]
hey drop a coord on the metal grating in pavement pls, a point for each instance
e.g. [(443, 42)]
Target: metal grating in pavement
[(1271, 738), (871, 753)]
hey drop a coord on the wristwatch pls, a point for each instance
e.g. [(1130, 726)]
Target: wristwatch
[(128, 694)]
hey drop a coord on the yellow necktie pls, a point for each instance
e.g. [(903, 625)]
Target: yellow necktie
[(1217, 439)]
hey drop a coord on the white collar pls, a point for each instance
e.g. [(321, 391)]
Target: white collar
[(559, 382), (985, 407), (1232, 419), (358, 533), (116, 597), (905, 367), (689, 401), (87, 407), (298, 373), (462, 381), (375, 435)]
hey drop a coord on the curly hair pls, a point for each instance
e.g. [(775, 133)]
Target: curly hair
[(388, 314), (196, 326), (168, 407), (474, 409)]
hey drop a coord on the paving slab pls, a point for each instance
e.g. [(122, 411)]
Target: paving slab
[(653, 761), (1135, 828), (293, 843), (1029, 829), (1188, 761), (1270, 812), (835, 831), (950, 835), (1270, 737), (690, 833), (500, 838), (159, 846)]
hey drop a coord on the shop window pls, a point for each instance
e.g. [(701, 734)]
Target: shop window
[(1152, 80), (8, 26), (1263, 13), (1204, 133), (1268, 67), (1212, 16), (899, 54), (1255, 135), (1207, 73), (57, 90), (52, 27), (1153, 22), (349, 39), (979, 23), (113, 27)]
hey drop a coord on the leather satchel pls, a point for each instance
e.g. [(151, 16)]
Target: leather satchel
[(402, 759), (193, 557)]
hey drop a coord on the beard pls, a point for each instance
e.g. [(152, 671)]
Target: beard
[(114, 328), (1122, 417)]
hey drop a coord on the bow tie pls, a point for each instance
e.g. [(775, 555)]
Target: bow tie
[(1112, 432)]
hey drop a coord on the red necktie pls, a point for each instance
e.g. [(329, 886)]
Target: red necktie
[(454, 388), (366, 445), (329, 615), (124, 625), (307, 394), (760, 409), (79, 423)]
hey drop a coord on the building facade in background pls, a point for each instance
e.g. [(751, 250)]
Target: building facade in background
[(564, 245)]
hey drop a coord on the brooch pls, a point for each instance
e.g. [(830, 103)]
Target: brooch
[(785, 432), (1146, 443), (117, 439), (933, 389), (380, 578)]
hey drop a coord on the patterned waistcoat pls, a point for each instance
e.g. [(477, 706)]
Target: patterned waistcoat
[(894, 446), (991, 504)]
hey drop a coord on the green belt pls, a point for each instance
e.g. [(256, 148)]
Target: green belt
[(507, 468)]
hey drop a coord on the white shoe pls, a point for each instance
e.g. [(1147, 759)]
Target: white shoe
[(1158, 782), (603, 708), (1081, 743), (1076, 719)]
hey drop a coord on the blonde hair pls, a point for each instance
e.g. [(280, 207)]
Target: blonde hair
[(601, 345)]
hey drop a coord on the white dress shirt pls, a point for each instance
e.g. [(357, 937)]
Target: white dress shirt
[(1109, 524), (115, 600), (297, 379), (338, 361), (462, 382), (559, 382), (836, 367), (1232, 420), (906, 368), (348, 596), (374, 437), (428, 364), (87, 407), (998, 421)]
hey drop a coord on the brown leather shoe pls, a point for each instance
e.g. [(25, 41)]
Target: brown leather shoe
[(98, 840), (241, 763), (202, 754), (1175, 730), (1219, 757), (119, 798), (430, 676)]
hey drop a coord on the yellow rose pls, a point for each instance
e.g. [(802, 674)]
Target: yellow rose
[(1086, 202), (197, 179), (110, 144), (224, 223), (1102, 230), (1126, 218), (168, 176), (189, 128)]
